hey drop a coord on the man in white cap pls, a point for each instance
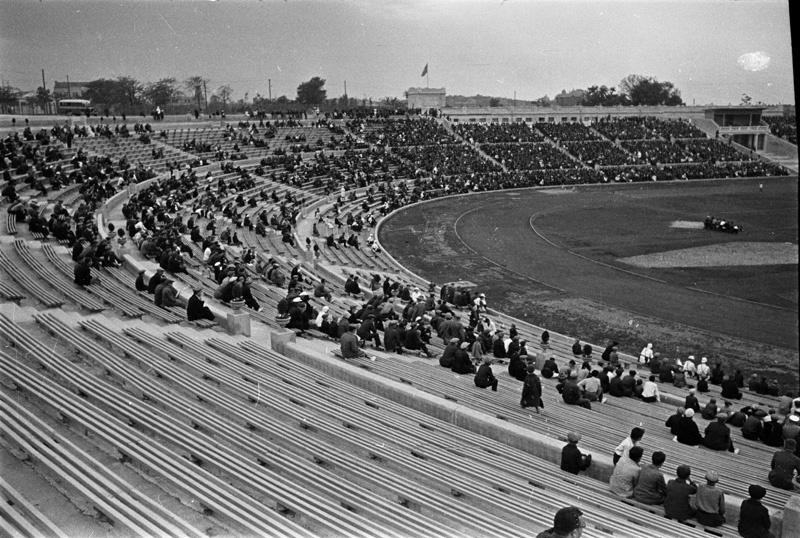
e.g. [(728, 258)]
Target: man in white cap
[(689, 368)]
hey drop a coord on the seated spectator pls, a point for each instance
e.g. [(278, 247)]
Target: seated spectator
[(691, 402), (572, 460), (139, 284), (577, 350), (615, 387), (730, 389), (391, 338), (196, 308), (753, 428), (688, 432), (678, 379), (462, 364), (666, 372), (651, 487), (83, 272), (710, 502), (628, 443), (571, 393), (626, 473), (349, 344), (650, 392), (785, 404), (677, 503), (567, 523), (672, 421), (718, 435), (773, 431), (549, 368), (532, 390), (484, 377), (590, 387), (448, 356), (710, 411), (629, 384), (785, 467), (754, 520)]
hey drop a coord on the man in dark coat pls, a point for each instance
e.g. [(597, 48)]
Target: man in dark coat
[(462, 364), (391, 338), (615, 387), (532, 390), (754, 520), (687, 431), (139, 284), (691, 401), (484, 377), (572, 459), (196, 308), (154, 281), (571, 393), (676, 502), (448, 356), (83, 272), (718, 435)]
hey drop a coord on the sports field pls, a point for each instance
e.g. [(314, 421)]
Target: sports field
[(627, 262)]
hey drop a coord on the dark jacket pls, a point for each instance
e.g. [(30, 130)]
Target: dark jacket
[(754, 521), (462, 363), (484, 378), (572, 459), (532, 392), (676, 503), (687, 432)]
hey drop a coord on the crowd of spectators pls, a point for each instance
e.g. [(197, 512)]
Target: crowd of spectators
[(542, 156), (657, 151), (446, 159), (600, 153), (497, 133), (408, 132), (567, 131), (710, 150), (646, 128)]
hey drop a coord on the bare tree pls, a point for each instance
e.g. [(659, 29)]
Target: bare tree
[(196, 84)]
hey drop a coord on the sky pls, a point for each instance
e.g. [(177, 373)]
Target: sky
[(713, 51)]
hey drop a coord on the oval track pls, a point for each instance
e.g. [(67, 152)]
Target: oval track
[(500, 230)]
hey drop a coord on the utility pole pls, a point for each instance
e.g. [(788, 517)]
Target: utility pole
[(269, 82), (346, 101), (205, 94), (69, 90), (44, 88)]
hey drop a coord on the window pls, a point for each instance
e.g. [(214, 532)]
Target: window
[(505, 120), (482, 120), (530, 120)]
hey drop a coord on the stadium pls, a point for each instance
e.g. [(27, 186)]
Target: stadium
[(406, 319)]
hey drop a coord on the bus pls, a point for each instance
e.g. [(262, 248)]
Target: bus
[(75, 107)]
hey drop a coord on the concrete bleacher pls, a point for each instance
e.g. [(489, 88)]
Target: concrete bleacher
[(265, 433)]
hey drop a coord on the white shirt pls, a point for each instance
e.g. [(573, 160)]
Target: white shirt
[(651, 389)]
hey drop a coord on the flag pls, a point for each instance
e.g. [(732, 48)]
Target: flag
[(424, 71)]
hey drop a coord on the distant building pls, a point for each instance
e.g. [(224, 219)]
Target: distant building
[(573, 98), (543, 101), (425, 98), (69, 90)]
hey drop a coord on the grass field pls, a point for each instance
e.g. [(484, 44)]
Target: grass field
[(555, 259)]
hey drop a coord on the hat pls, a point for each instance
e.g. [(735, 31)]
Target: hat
[(689, 413), (690, 357), (464, 345), (692, 391), (159, 270), (141, 271), (325, 309), (482, 295), (712, 476), (760, 413), (722, 416), (573, 437), (756, 492), (567, 520), (297, 300), (794, 418), (197, 289), (454, 340), (703, 360)]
